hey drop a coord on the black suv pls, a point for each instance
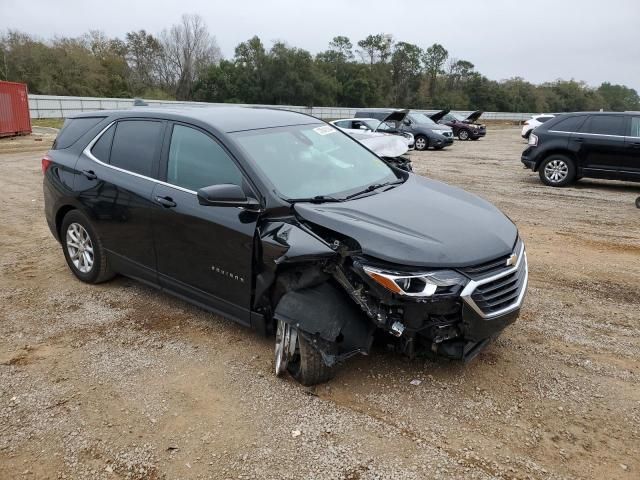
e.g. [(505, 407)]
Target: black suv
[(589, 144), (283, 223)]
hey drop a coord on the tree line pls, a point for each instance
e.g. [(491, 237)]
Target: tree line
[(184, 62)]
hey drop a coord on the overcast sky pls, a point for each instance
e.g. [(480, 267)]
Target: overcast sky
[(540, 40)]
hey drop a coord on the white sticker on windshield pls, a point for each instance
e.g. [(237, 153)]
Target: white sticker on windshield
[(324, 130)]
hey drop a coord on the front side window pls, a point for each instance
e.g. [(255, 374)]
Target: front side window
[(569, 124), (420, 118), (196, 161), (604, 125), (306, 161), (635, 127), (135, 145)]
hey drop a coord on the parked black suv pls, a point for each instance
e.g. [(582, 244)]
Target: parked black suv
[(283, 223), (589, 144)]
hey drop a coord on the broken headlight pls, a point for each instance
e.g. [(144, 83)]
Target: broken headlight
[(422, 284)]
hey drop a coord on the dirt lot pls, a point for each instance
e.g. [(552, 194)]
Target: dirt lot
[(119, 381)]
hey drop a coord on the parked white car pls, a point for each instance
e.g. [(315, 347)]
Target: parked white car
[(534, 122), (372, 127)]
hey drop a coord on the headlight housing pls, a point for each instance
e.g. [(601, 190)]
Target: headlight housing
[(421, 284)]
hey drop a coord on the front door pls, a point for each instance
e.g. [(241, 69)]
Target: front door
[(204, 252), (602, 144)]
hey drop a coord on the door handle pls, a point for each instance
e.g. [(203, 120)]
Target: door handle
[(166, 202), (89, 174)]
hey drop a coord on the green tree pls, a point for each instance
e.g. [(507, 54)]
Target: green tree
[(434, 59)]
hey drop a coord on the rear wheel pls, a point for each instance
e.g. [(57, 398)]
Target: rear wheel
[(296, 355), (421, 142), (83, 249), (557, 171), (463, 134)]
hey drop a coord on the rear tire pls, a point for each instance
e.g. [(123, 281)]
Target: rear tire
[(83, 249), (557, 171), (421, 143)]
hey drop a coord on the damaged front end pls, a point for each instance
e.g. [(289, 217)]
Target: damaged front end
[(335, 297)]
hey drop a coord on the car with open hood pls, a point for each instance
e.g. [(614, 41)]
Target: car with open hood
[(287, 225), (426, 132), (465, 128)]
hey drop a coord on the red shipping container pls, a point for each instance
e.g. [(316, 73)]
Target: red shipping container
[(14, 109)]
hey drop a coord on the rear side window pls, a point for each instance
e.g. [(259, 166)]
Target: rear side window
[(73, 129), (635, 127), (102, 148), (196, 161), (344, 124), (570, 124), (135, 145), (604, 125)]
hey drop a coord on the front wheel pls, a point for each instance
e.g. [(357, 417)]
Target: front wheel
[(296, 355), (421, 143), (463, 134), (557, 171)]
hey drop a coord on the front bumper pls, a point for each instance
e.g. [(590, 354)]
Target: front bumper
[(441, 141)]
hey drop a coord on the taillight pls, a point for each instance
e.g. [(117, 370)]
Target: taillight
[(46, 163)]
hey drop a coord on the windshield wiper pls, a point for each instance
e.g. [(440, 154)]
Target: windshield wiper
[(374, 186), (316, 199)]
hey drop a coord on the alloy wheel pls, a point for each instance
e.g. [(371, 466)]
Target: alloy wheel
[(421, 143), (556, 171), (80, 247), (463, 135), (286, 339)]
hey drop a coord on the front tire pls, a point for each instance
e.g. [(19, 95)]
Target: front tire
[(421, 143), (83, 249), (296, 355), (463, 134), (557, 171)]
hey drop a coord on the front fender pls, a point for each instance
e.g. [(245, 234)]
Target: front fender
[(325, 311)]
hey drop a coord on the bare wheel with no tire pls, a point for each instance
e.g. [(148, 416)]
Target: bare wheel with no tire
[(295, 354), (83, 249)]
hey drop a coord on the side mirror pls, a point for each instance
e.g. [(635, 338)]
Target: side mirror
[(226, 195)]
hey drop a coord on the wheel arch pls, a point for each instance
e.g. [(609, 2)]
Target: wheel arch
[(557, 151), (60, 214)]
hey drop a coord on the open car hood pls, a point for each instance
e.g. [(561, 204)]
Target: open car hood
[(421, 222), (436, 117), (395, 116), (473, 117)]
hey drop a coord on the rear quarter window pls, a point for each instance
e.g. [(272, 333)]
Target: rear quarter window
[(73, 129), (569, 124)]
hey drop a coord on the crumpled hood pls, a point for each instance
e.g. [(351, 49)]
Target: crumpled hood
[(419, 223)]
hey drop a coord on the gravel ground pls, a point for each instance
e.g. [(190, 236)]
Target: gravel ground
[(120, 381)]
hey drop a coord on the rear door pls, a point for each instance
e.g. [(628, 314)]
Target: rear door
[(631, 165), (602, 146), (116, 176), (204, 252)]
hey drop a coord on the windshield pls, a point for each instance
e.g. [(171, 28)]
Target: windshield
[(308, 161), (420, 118)]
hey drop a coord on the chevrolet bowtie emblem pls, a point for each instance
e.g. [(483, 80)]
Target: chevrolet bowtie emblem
[(512, 260)]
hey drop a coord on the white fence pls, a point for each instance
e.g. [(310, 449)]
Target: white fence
[(52, 106)]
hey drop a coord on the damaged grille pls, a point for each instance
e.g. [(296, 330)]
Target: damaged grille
[(501, 292)]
